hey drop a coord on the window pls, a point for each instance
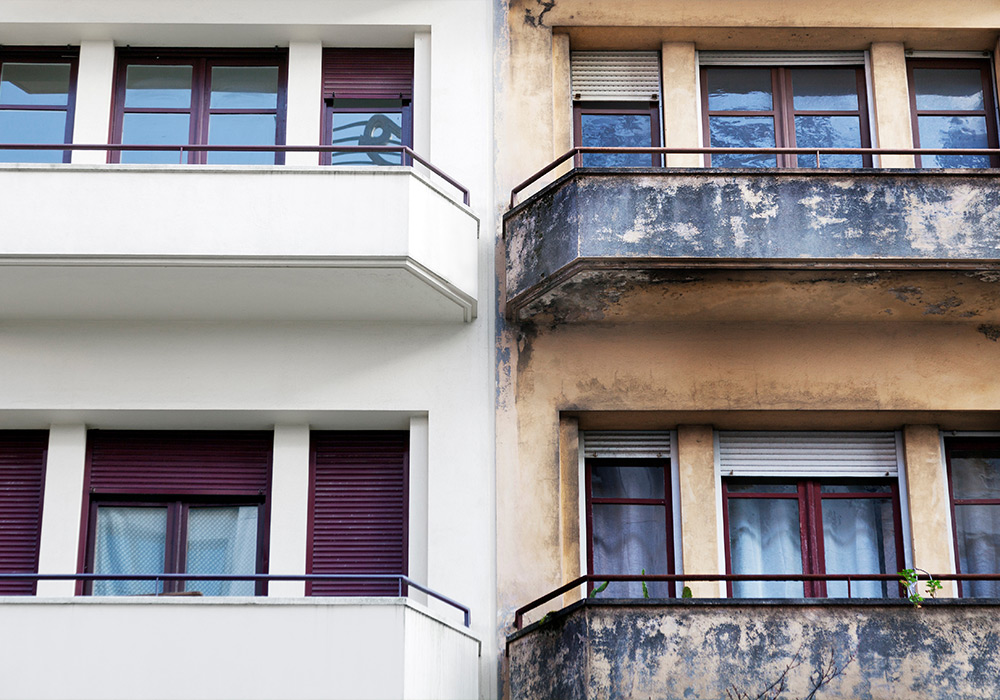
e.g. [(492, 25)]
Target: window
[(974, 481), (220, 99), (22, 479), (37, 93), (177, 502), (368, 95), (808, 106), (358, 510), (616, 105), (952, 106)]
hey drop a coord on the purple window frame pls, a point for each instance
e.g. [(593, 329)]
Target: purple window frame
[(200, 109), (810, 498), (650, 109), (953, 445), (68, 55)]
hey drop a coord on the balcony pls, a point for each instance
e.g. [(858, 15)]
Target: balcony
[(202, 242), (755, 244)]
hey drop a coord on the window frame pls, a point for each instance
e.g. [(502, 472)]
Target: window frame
[(810, 499), (330, 108), (666, 502), (200, 109), (783, 110), (959, 444), (989, 110), (651, 108), (70, 55)]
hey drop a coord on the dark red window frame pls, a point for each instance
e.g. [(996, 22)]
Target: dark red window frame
[(666, 503), (989, 110), (68, 55), (953, 445), (22, 490), (200, 109), (783, 110), (650, 109), (176, 469), (810, 498)]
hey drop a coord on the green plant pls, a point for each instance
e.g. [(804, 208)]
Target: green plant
[(598, 589), (911, 579), (686, 593), (645, 591)]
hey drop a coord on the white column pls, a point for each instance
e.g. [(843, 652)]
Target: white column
[(61, 507), (289, 508), (92, 115), (422, 94), (419, 484), (304, 99)]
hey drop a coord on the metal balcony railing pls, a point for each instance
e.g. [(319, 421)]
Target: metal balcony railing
[(157, 579), (687, 578), (407, 155), (577, 153)]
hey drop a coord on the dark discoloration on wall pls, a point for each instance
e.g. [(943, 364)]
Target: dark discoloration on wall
[(990, 331), (626, 649)]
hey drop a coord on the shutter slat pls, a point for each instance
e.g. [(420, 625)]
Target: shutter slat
[(22, 484), (781, 58), (358, 515), (859, 454), (385, 74), (626, 443), (615, 75)]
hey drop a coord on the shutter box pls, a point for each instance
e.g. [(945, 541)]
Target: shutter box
[(181, 463), (809, 454), (636, 444), (22, 482), (358, 510), (781, 58), (370, 74), (615, 76)]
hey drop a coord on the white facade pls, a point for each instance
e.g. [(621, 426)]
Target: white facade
[(282, 298)]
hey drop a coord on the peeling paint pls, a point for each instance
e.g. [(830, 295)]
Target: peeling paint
[(991, 331)]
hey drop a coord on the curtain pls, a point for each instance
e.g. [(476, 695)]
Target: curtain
[(859, 537), (764, 539), (130, 540), (222, 540)]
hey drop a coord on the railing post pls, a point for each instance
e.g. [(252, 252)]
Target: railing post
[(817, 159)]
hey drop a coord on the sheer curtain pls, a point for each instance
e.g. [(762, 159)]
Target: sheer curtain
[(222, 540), (130, 540), (764, 539), (859, 538)]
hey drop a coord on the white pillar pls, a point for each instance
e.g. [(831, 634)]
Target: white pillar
[(92, 115), (304, 99), (419, 484), (289, 508), (422, 94), (61, 508)]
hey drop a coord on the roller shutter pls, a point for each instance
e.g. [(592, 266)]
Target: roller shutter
[(374, 74), (637, 444), (781, 58), (358, 509), (813, 454), (22, 481), (615, 76)]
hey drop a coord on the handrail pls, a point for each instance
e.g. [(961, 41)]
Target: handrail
[(678, 578), (401, 579), (577, 152), (183, 149)]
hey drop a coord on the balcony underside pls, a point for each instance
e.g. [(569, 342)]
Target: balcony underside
[(754, 245), (614, 649)]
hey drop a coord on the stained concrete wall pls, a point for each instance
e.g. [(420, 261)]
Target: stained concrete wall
[(693, 649)]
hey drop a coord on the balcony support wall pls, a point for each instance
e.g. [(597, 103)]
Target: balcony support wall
[(681, 103), (62, 506), (289, 507), (571, 521), (305, 99), (700, 508), (892, 102), (94, 82)]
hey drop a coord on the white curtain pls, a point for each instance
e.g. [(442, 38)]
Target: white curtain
[(978, 528), (222, 540), (130, 540), (859, 538), (764, 539)]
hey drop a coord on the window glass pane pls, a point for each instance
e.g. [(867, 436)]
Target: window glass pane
[(30, 126), (626, 482), (978, 532), (616, 131), (155, 129), (948, 88), (855, 488), (129, 541), (34, 83), (241, 130), (764, 539), (830, 132), (824, 89), (742, 132), (976, 473), (749, 487), (222, 540), (367, 129), (628, 539), (859, 537), (245, 87), (739, 89), (953, 132), (158, 86)]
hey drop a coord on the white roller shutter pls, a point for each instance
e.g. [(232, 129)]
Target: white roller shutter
[(781, 58), (636, 444), (615, 76), (837, 454)]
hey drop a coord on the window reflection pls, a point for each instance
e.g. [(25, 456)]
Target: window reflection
[(367, 123)]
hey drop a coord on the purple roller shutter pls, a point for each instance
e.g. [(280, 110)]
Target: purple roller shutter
[(181, 463), (22, 481), (358, 509), (374, 74)]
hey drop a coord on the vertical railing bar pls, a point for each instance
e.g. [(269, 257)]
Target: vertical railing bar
[(817, 159)]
